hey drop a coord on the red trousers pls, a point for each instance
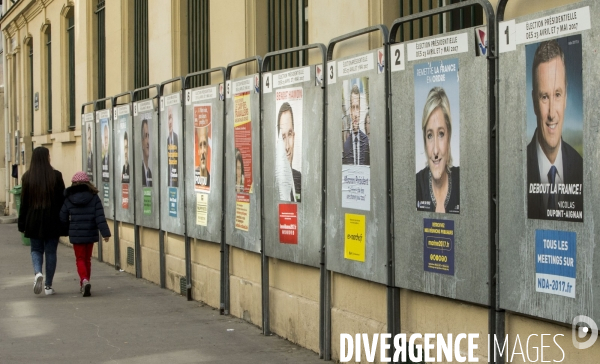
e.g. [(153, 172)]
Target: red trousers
[(83, 260)]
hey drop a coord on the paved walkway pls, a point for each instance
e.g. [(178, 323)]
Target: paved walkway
[(127, 320)]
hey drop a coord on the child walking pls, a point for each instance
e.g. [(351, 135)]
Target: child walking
[(83, 211)]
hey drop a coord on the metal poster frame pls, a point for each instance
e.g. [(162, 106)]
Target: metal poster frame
[(98, 174), (539, 234), (138, 248), (495, 317), (256, 181), (392, 293), (220, 214), (267, 66), (116, 236)]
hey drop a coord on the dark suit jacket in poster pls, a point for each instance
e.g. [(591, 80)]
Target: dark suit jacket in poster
[(125, 177), (146, 183), (90, 166), (297, 185), (572, 171), (348, 156), (106, 162), (424, 200)]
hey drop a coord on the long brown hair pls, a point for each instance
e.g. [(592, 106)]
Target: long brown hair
[(39, 180)]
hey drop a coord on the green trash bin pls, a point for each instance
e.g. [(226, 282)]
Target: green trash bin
[(17, 192)]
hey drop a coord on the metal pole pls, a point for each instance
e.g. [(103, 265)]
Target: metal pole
[(499, 315), (393, 293)]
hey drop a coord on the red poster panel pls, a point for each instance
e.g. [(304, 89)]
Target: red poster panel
[(288, 223), (125, 196)]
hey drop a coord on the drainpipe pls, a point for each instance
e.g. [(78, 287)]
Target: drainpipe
[(6, 122)]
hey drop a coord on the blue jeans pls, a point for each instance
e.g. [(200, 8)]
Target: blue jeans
[(38, 248)]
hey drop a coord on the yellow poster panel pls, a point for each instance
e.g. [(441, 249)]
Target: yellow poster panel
[(241, 109), (242, 215), (354, 237), (202, 209)]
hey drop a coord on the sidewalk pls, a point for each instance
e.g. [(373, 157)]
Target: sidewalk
[(127, 320)]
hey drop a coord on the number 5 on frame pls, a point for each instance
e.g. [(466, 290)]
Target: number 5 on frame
[(397, 57)]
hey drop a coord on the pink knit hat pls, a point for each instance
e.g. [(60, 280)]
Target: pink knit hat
[(80, 177)]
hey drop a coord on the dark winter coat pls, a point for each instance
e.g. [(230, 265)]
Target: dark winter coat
[(42, 223), (85, 214)]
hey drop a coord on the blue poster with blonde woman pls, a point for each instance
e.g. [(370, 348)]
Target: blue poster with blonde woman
[(437, 136)]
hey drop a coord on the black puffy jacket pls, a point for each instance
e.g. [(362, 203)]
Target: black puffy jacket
[(85, 214)]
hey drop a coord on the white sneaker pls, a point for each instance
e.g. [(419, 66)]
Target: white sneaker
[(37, 283), (49, 290), (86, 288)]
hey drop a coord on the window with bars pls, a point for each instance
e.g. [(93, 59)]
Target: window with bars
[(30, 45), (49, 77), (287, 29), (141, 76), (455, 20), (71, 67), (101, 23), (198, 40)]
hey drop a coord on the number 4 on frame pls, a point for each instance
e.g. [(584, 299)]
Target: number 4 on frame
[(267, 83), (397, 57)]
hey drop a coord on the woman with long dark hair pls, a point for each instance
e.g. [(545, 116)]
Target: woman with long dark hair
[(41, 201)]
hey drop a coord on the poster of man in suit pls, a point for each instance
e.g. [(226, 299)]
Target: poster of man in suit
[(89, 169), (555, 129), (356, 148), (105, 135), (288, 153)]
